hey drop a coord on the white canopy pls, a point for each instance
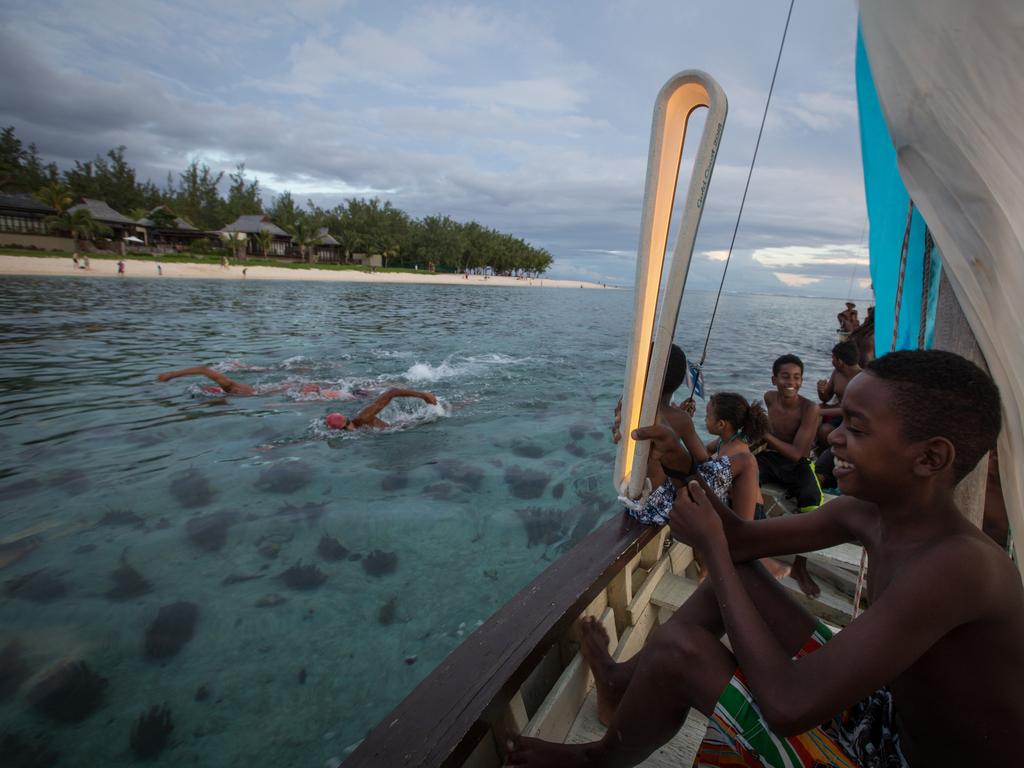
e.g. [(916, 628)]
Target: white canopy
[(949, 77)]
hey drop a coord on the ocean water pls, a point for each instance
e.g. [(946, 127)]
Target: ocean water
[(121, 496)]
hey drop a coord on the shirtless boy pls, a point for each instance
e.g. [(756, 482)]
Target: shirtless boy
[(845, 365), (848, 320), (940, 651), (786, 460)]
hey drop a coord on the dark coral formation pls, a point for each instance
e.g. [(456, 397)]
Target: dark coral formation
[(311, 511), (18, 752), (73, 482), (528, 450), (468, 476), (128, 583), (388, 611), (210, 532), (558, 490), (191, 489), (440, 491), (41, 586), (286, 477), (394, 482), (172, 628), (151, 732), (331, 549), (526, 483), (68, 691), (301, 576), (544, 525), (578, 431), (13, 669), (122, 517), (380, 563), (575, 449)]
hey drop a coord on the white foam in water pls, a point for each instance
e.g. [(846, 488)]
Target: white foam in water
[(455, 366)]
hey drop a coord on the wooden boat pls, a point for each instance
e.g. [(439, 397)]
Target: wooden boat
[(520, 672)]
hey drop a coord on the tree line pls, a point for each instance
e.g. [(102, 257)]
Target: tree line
[(367, 226)]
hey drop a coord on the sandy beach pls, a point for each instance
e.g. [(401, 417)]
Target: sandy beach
[(31, 265)]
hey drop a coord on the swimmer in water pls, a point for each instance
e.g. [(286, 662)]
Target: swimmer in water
[(225, 385), (368, 416)]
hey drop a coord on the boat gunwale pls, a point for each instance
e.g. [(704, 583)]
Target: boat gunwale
[(442, 719)]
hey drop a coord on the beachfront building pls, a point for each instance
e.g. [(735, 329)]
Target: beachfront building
[(251, 226), (327, 249), (120, 225), (161, 228), (23, 214)]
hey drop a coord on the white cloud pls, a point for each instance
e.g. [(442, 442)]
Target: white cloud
[(717, 255), (796, 281), (819, 255)]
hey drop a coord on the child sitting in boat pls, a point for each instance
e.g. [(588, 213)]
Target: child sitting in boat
[(845, 365), (928, 675), (786, 457)]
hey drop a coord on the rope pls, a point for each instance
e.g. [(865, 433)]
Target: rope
[(926, 280), (862, 573), (743, 200)]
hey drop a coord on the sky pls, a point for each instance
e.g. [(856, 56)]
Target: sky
[(532, 118)]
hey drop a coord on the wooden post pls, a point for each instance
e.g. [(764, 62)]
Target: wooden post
[(953, 334)]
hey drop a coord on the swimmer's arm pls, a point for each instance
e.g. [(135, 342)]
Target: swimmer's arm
[(800, 448), (369, 413), (200, 370)]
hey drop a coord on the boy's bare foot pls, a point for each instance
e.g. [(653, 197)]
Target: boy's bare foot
[(803, 578), (777, 569), (534, 753), (594, 642)]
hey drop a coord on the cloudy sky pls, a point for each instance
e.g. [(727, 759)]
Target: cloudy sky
[(529, 117)]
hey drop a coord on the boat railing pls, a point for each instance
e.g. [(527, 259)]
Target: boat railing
[(474, 697)]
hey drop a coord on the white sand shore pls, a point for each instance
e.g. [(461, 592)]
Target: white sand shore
[(32, 265)]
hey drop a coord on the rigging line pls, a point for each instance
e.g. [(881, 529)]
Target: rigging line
[(746, 187)]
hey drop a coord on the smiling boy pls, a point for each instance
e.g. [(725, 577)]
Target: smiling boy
[(928, 675), (786, 461)]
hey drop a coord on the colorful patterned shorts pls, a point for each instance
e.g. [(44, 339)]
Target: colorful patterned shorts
[(739, 737)]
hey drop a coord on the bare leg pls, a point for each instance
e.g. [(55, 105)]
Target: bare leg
[(697, 625), (803, 577)]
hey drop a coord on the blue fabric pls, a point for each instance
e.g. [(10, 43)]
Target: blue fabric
[(887, 201)]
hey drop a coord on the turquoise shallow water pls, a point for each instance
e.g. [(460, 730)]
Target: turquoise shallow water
[(211, 501)]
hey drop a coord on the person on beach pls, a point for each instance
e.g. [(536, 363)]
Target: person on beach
[(785, 459), (85, 261), (927, 676), (74, 259), (159, 270), (120, 267), (225, 385), (367, 417)]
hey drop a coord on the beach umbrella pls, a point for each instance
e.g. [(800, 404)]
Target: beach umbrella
[(133, 239)]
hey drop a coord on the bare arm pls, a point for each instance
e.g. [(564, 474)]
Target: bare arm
[(800, 448), (901, 626), (828, 413), (682, 425), (223, 381), (827, 388), (745, 487), (369, 413)]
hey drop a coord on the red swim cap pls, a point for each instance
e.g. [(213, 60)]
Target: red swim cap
[(212, 389), (336, 420)]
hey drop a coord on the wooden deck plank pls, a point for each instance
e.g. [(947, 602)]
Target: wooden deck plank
[(642, 593)]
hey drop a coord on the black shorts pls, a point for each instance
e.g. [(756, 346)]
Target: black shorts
[(796, 477)]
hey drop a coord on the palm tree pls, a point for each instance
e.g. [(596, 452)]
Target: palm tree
[(264, 239), (78, 224), (55, 195), (306, 235)]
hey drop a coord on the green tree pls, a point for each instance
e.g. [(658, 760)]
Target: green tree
[(243, 195), (306, 235), (78, 224), (21, 169), (284, 212), (264, 240), (197, 198), (55, 195)]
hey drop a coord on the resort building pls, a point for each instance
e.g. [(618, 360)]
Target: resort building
[(163, 229), (328, 250), (23, 214), (120, 225), (251, 226)]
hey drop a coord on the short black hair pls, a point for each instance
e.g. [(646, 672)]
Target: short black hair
[(846, 352), (786, 360), (675, 371), (940, 394)]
